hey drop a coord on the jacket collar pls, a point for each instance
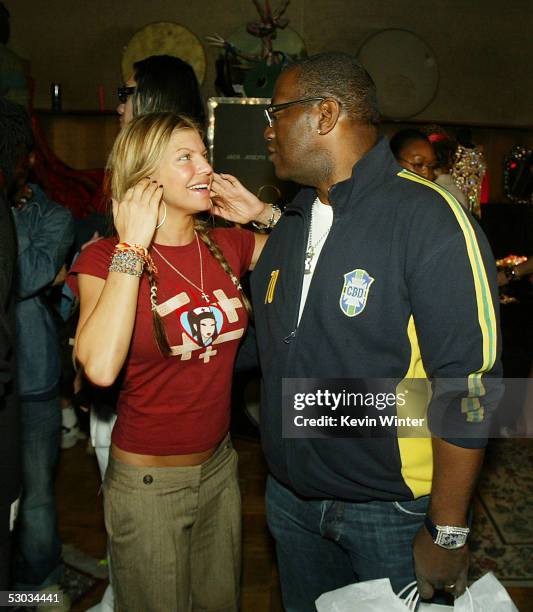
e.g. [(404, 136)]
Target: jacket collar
[(377, 166)]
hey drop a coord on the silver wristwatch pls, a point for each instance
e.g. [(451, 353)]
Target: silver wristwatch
[(447, 536)]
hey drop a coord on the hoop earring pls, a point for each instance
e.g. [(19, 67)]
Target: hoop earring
[(164, 217), (273, 187)]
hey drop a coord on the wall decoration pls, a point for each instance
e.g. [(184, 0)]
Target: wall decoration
[(164, 38), (253, 55), (404, 69), (518, 175)]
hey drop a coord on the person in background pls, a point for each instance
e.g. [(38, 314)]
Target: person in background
[(171, 496), (45, 232), (161, 83), (445, 149), (413, 151), (10, 481)]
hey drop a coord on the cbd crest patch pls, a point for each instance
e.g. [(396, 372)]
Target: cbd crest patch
[(354, 292)]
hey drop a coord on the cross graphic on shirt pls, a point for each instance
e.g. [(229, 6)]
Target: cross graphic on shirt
[(228, 305), (186, 349), (209, 352)]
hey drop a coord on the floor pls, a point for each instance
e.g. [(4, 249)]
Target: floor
[(81, 524)]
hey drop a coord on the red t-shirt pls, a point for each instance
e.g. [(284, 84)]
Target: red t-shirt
[(179, 404)]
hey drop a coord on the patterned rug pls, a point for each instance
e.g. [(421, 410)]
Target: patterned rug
[(76, 583), (502, 538), (82, 572)]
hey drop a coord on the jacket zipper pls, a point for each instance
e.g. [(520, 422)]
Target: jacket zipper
[(289, 339), (292, 335)]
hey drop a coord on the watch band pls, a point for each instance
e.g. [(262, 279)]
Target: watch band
[(431, 527), (276, 211)]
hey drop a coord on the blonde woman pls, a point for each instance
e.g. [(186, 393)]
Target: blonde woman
[(172, 502)]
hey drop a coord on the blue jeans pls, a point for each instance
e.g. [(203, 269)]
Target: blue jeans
[(38, 558), (323, 545)]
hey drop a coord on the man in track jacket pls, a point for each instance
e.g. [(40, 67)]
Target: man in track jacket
[(372, 272)]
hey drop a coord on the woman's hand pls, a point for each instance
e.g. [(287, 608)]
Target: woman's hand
[(136, 215), (233, 202)]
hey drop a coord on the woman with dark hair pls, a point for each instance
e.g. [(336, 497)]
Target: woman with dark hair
[(414, 152), (161, 83), (445, 149), (171, 496)]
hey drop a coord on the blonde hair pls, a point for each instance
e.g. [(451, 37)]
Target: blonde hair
[(136, 154), (139, 148)]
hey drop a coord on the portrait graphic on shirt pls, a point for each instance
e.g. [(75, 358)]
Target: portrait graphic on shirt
[(202, 327), (202, 324)]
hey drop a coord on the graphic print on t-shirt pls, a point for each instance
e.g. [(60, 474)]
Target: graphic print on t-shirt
[(201, 327), (202, 324)]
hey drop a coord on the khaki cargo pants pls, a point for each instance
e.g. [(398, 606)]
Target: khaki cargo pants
[(175, 535)]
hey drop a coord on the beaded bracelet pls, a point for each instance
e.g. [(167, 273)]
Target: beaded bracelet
[(127, 262), (271, 221), (126, 258), (128, 246)]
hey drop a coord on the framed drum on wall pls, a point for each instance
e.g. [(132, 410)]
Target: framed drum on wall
[(404, 69), (164, 38)]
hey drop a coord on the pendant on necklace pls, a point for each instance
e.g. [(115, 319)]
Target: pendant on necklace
[(309, 254), (205, 297)]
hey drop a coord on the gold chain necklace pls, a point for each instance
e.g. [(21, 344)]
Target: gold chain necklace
[(200, 289)]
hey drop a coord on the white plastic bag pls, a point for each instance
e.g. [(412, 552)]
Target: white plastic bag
[(488, 595), (485, 595), (369, 596)]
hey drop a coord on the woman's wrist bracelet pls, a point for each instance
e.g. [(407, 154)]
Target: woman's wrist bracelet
[(126, 259), (273, 219), (127, 262)]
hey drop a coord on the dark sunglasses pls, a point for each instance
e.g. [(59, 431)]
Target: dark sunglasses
[(124, 93)]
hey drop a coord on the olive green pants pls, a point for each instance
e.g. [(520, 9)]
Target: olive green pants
[(175, 535)]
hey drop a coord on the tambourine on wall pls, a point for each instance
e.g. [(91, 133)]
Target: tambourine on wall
[(237, 146), (164, 38), (405, 71)]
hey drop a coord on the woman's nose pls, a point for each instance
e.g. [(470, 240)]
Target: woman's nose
[(204, 167)]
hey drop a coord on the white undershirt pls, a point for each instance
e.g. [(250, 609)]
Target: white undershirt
[(322, 220)]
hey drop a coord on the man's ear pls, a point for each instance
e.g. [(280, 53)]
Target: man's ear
[(330, 110)]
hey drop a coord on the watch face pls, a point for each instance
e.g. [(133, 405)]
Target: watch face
[(450, 539)]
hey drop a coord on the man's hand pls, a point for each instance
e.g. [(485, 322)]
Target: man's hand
[(438, 568)]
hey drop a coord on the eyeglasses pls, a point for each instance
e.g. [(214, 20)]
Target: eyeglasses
[(124, 93), (418, 166), (274, 108)]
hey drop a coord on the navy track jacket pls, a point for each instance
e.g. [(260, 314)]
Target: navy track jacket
[(430, 311)]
